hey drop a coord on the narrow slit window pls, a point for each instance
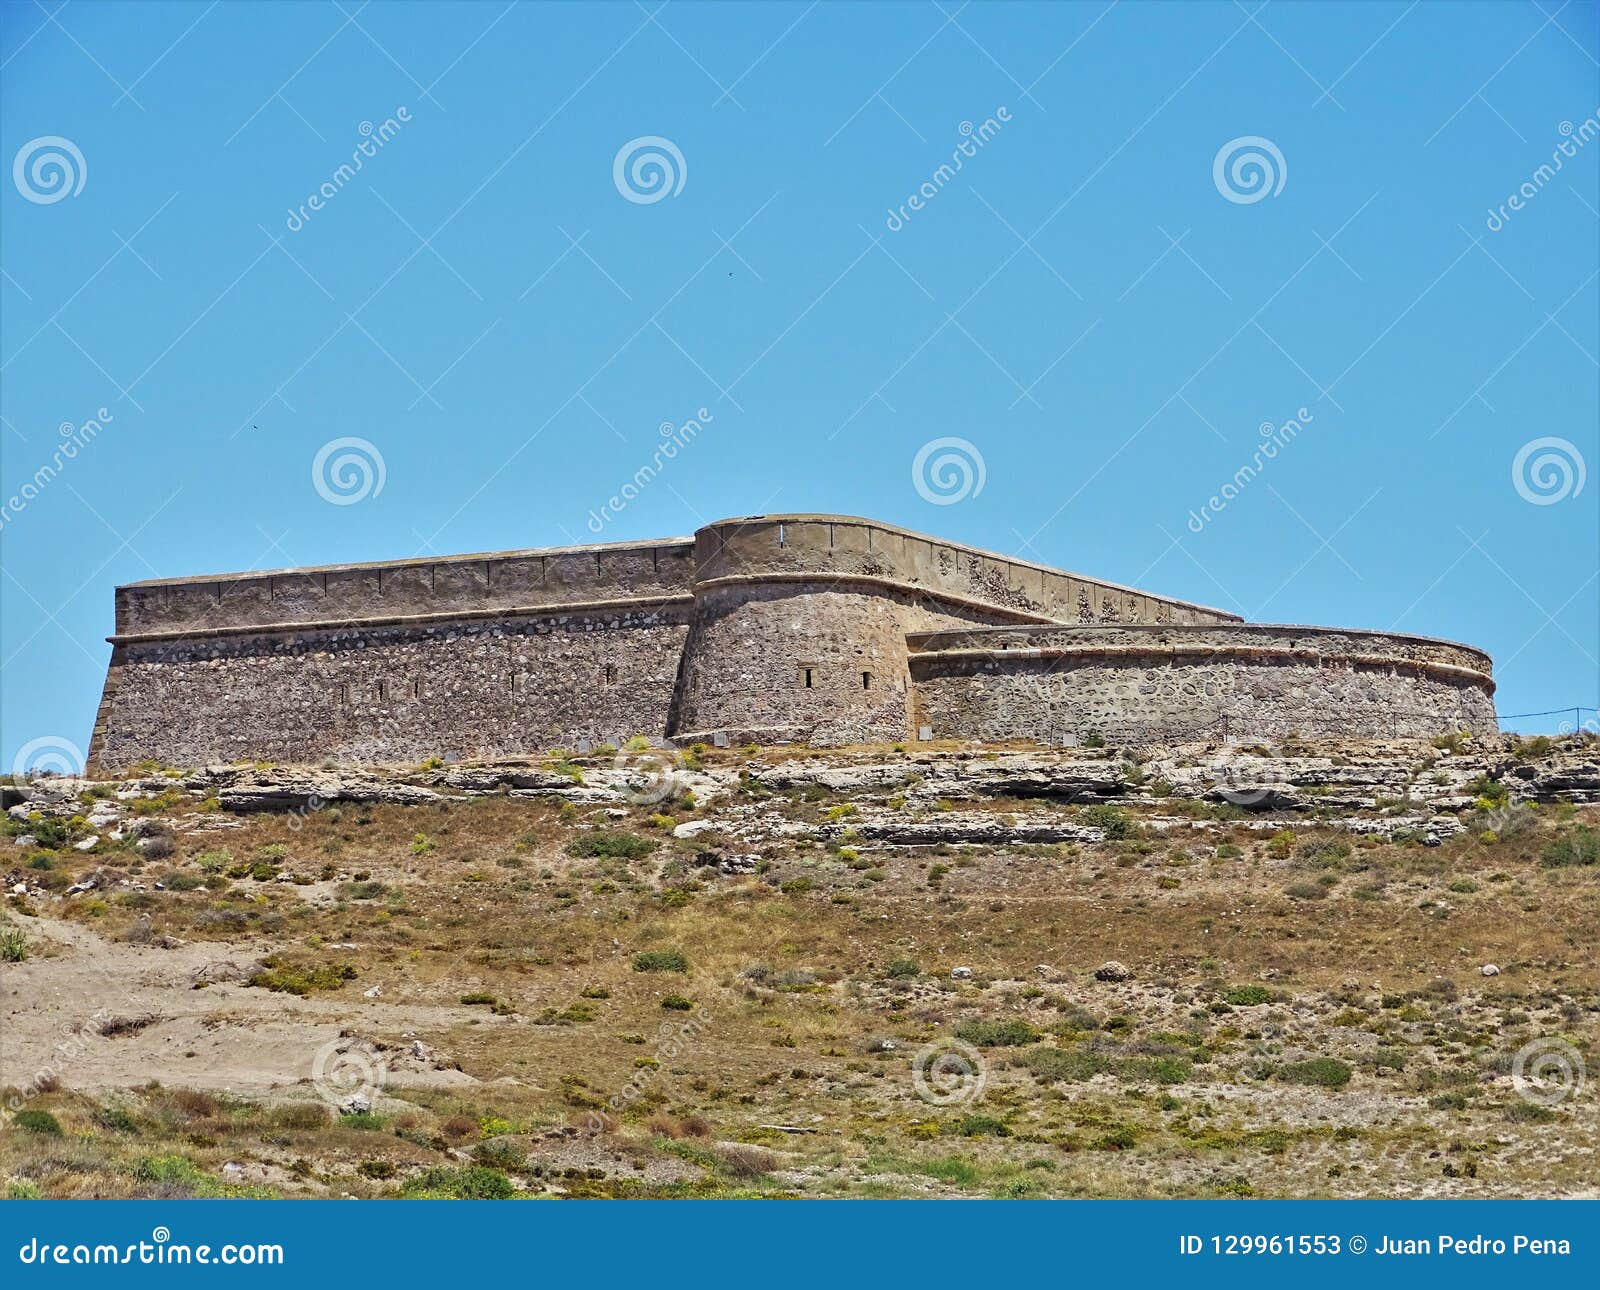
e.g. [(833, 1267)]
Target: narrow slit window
[(342, 695), (805, 674), (866, 680), (611, 673), (381, 691), (416, 689)]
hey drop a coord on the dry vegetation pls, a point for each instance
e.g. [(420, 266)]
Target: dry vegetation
[(566, 998)]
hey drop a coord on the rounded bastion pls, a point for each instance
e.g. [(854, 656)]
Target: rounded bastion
[(1200, 681)]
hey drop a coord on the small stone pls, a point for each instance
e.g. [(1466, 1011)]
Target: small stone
[(1489, 969), (27, 840), (357, 1105), (233, 1170), (1111, 970), (87, 844), (1046, 972), (961, 974), (689, 828), (372, 993)]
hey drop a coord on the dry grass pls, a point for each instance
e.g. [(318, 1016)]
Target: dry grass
[(1153, 1087)]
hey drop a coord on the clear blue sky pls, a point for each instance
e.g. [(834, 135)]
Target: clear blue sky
[(1081, 302)]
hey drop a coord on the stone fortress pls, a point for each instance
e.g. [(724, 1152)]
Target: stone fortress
[(824, 629)]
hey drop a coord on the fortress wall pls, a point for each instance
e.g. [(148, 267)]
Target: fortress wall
[(826, 629), (476, 688), (458, 585), (1167, 684), (766, 548), (752, 647)]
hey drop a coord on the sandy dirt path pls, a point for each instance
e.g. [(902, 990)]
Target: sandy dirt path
[(224, 1037)]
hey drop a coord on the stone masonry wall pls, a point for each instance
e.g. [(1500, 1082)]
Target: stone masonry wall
[(477, 688), (1146, 686), (818, 628)]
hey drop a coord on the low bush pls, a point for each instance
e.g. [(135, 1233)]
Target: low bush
[(1324, 1072), (37, 1122), (611, 846), (986, 1033), (660, 961), (1581, 847)]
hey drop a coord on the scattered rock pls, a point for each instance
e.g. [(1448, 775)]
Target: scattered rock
[(1111, 970), (1489, 969), (961, 974), (224, 970), (691, 828), (356, 1105), (87, 844)]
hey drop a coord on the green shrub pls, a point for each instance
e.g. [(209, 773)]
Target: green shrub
[(1324, 1072), (1247, 996), (985, 1033), (611, 846), (1113, 821), (1323, 853), (172, 1171), (676, 1003), (38, 1122), (982, 1126), (1305, 891), (474, 998), (117, 1119), (471, 1182), (1066, 1065), (1579, 848), (13, 945), (293, 979), (660, 961), (497, 1153), (900, 969)]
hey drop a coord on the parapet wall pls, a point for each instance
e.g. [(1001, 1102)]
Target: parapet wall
[(611, 575), (854, 553), (1146, 684)]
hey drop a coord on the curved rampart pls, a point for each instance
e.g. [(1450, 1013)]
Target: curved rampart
[(1052, 684)]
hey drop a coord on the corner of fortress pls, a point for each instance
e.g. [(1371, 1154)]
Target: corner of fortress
[(825, 629)]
